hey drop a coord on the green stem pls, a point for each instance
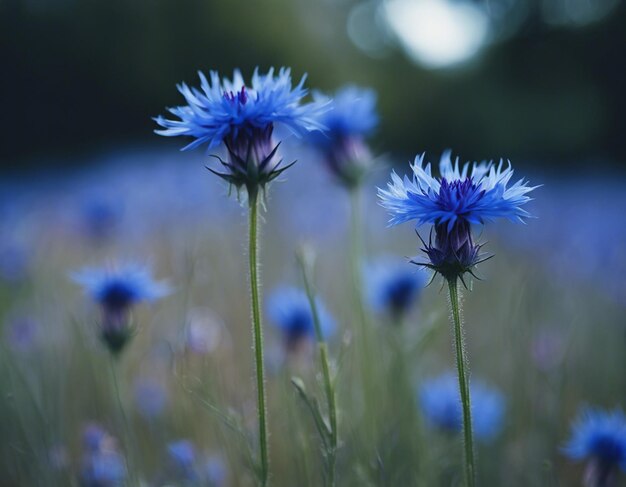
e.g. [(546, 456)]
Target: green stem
[(356, 255), (356, 261), (257, 333), (125, 423), (462, 366), (328, 382)]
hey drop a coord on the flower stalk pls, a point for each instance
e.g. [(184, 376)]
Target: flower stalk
[(125, 423), (463, 375), (257, 334), (329, 386)]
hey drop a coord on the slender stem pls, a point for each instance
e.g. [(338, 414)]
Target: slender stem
[(125, 423), (328, 382), (356, 261), (257, 333), (369, 374), (462, 366), (356, 254)]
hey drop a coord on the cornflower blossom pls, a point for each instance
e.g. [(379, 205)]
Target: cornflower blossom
[(102, 463), (460, 197), (393, 288), (289, 309), (100, 219), (600, 438), (150, 397), (343, 144), (22, 333), (117, 290), (439, 400), (215, 471), (182, 455), (242, 118)]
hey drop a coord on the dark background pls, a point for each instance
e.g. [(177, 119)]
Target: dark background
[(81, 76)]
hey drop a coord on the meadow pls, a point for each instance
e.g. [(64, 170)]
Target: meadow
[(545, 328)]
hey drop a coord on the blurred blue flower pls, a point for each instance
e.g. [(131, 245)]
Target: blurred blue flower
[(100, 218), (103, 469), (392, 286), (21, 333), (93, 437), (103, 465), (353, 113), (15, 261), (441, 404), (182, 455), (288, 308), (117, 290), (452, 203), (599, 436), (243, 118), (351, 120), (150, 397), (215, 471)]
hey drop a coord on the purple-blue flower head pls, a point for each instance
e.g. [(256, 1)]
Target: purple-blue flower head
[(600, 437), (460, 197), (100, 218), (441, 405), (215, 471), (289, 309), (93, 437), (150, 397), (103, 469), (353, 114), (182, 455), (116, 290), (352, 118), (393, 287), (102, 464), (243, 117), (460, 194)]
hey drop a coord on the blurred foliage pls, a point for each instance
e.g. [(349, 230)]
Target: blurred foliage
[(80, 75)]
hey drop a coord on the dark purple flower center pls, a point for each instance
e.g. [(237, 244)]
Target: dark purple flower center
[(400, 293), (299, 325), (608, 450), (459, 196), (118, 296), (240, 97)]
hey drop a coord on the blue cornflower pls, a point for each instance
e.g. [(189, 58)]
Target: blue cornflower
[(116, 290), (100, 218), (103, 469), (600, 437), (150, 397), (452, 203), (342, 144), (22, 333), (103, 465), (215, 471), (93, 437), (182, 454), (288, 308), (243, 118), (439, 400), (392, 287)]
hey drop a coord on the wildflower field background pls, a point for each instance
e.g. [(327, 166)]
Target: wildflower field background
[(86, 184)]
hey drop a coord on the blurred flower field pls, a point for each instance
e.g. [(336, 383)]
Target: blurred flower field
[(544, 332)]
